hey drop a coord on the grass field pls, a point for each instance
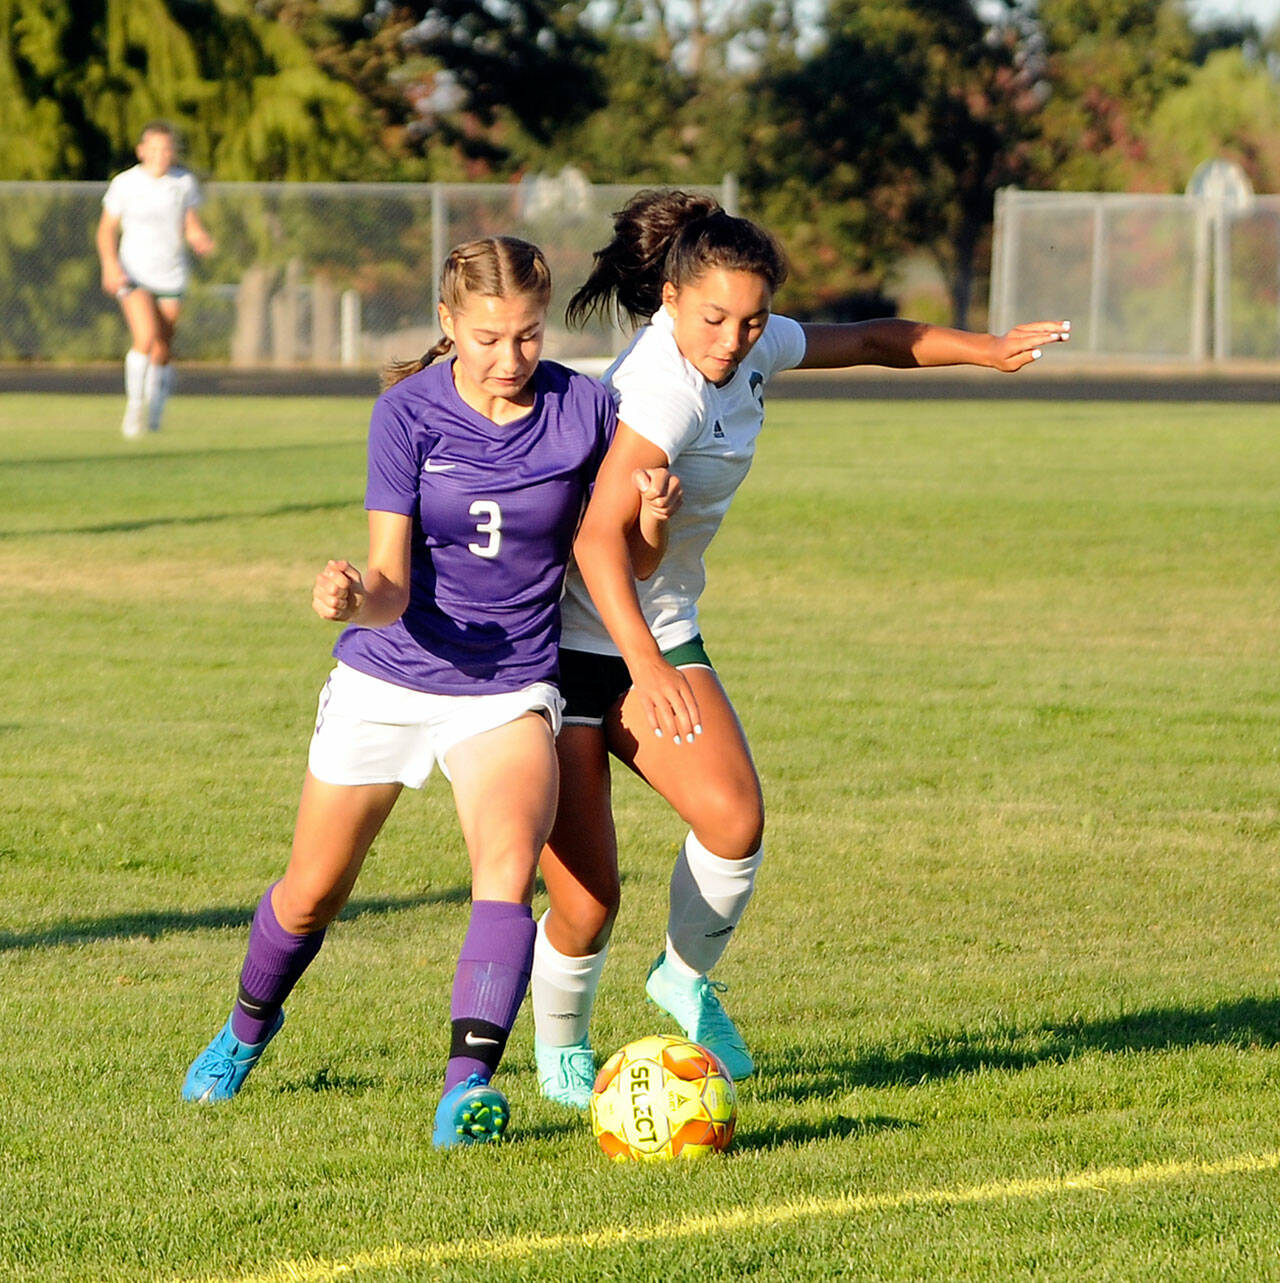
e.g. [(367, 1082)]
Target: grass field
[(1010, 673)]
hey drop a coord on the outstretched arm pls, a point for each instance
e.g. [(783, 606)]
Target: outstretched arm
[(907, 345)]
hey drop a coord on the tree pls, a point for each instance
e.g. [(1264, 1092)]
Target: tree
[(452, 84), (1228, 108), (659, 122), (1107, 64), (895, 134), (78, 82)]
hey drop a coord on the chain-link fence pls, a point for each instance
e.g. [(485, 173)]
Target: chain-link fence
[(1171, 278), (321, 274)]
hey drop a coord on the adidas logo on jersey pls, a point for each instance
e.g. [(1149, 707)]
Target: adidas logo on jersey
[(718, 431)]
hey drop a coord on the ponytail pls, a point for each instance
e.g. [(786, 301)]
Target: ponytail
[(496, 267), (394, 371), (675, 236)]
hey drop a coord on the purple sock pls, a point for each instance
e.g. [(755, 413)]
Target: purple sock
[(275, 960), (488, 987)]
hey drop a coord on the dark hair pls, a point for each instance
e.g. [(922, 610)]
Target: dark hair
[(674, 236), (158, 127), (496, 267)]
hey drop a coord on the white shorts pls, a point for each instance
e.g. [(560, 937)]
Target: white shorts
[(369, 731)]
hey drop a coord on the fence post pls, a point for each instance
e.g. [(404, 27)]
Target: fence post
[(349, 329), (1201, 278), (729, 194), (997, 288), (1098, 275), (438, 247), (1221, 281)]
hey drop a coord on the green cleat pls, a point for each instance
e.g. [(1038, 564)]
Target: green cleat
[(566, 1074), (694, 1005)]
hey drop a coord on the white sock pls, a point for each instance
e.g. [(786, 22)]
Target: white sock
[(708, 896), (159, 383), (136, 365), (562, 991)]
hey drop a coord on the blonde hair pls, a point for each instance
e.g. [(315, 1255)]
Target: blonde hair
[(495, 267)]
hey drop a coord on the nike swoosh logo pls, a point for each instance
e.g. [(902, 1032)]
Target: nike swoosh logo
[(437, 467), (474, 1040)]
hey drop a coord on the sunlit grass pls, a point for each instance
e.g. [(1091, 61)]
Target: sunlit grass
[(1009, 670)]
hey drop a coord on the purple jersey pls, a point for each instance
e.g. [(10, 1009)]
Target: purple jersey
[(495, 509)]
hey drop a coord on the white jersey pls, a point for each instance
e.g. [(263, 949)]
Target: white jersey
[(152, 213), (708, 434)]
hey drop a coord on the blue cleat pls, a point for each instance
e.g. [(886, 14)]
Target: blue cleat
[(219, 1071), (472, 1113), (566, 1074), (695, 1006)]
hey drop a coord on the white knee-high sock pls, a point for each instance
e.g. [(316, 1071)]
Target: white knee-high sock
[(136, 366), (708, 896), (159, 383), (563, 991)]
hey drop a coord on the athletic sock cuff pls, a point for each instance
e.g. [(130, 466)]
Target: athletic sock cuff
[(700, 858)]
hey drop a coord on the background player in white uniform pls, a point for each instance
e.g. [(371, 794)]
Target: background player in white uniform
[(148, 217), (478, 473), (636, 678)]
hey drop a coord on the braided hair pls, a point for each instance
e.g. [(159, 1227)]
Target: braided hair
[(496, 267)]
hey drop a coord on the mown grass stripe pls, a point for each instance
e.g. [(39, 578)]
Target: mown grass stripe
[(520, 1246)]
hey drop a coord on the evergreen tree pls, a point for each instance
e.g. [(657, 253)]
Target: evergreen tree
[(453, 85), (79, 81)]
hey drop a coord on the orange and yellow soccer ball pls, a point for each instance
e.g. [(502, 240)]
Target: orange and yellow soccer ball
[(663, 1097)]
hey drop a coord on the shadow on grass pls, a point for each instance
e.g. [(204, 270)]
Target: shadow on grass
[(1246, 1023), (548, 1131), (838, 1128), (132, 463), (156, 924), (326, 1081), (196, 519)]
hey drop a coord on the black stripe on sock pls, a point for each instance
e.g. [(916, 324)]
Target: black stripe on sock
[(253, 1007), (480, 1040)]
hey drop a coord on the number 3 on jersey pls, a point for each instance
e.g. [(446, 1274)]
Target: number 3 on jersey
[(491, 525)]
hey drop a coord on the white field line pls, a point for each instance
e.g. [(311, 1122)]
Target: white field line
[(524, 1246)]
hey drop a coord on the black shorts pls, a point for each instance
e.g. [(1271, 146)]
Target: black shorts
[(592, 684)]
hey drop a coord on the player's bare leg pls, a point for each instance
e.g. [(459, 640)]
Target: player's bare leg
[(335, 827), (504, 788), (713, 786), (160, 371)]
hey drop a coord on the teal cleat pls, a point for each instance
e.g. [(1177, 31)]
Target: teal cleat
[(472, 1113), (219, 1071), (695, 1006), (566, 1074)]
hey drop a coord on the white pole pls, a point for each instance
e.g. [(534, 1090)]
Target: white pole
[(349, 329), (729, 194), (1098, 275)]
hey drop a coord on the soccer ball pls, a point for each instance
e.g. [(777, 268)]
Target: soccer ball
[(663, 1097)]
